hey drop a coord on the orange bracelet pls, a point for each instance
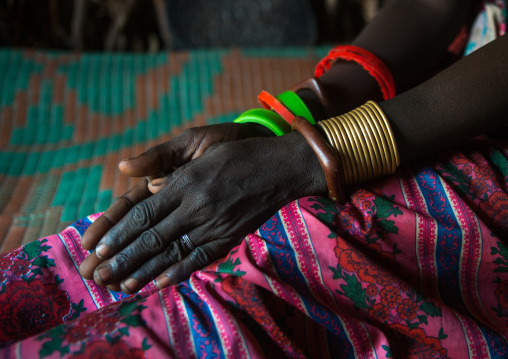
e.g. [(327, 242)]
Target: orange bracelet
[(271, 103)]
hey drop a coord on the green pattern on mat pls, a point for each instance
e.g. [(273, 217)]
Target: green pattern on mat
[(15, 73)]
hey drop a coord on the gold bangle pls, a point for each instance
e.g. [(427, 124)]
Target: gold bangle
[(364, 141), (375, 143), (384, 144), (348, 167), (390, 131), (386, 136), (367, 147), (360, 163), (341, 140), (349, 120), (351, 148), (346, 148)]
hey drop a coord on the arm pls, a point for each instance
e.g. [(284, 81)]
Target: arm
[(465, 100), (409, 36)]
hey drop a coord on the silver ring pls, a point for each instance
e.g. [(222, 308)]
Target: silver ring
[(187, 242)]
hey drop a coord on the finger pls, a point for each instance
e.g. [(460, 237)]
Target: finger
[(175, 252), (115, 287), (159, 160), (149, 163), (191, 143), (148, 245), (199, 258), (157, 262), (88, 265), (114, 214), (143, 216)]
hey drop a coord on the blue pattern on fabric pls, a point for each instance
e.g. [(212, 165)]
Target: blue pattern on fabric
[(449, 238), (202, 326), (284, 259)]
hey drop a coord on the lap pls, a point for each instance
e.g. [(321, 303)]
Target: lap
[(414, 263)]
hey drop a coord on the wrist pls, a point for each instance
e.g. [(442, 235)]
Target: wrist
[(348, 85), (313, 103), (306, 175)]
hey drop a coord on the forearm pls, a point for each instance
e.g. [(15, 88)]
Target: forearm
[(410, 36), (463, 101)]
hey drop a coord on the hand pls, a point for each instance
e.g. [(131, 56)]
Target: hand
[(216, 200), (155, 163)]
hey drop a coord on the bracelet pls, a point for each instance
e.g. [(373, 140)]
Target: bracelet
[(267, 118), (295, 104), (371, 63), (364, 142), (314, 85), (271, 103), (331, 167), (339, 142)]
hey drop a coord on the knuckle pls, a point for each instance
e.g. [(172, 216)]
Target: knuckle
[(188, 132), (174, 252), (126, 201), (159, 148), (206, 199), (120, 263), (151, 241), (142, 215), (207, 205), (189, 135)]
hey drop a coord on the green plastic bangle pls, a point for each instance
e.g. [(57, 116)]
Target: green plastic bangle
[(267, 118), (295, 104)]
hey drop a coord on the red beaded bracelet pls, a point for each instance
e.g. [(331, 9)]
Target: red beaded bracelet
[(372, 64), (271, 103)]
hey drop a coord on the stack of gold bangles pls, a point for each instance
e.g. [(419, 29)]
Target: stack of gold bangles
[(362, 140)]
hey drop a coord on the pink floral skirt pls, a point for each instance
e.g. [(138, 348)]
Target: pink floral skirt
[(414, 265)]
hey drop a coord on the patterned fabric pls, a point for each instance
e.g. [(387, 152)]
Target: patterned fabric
[(488, 25), (415, 266)]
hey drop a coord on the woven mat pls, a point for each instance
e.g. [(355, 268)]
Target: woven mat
[(66, 120)]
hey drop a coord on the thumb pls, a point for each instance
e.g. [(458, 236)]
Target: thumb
[(157, 161)]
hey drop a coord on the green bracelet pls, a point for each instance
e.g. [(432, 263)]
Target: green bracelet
[(295, 104), (267, 118)]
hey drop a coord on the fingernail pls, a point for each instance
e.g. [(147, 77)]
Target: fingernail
[(102, 251), (163, 282), (129, 285), (103, 274), (127, 159), (157, 182)]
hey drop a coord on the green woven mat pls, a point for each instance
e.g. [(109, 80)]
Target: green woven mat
[(66, 120)]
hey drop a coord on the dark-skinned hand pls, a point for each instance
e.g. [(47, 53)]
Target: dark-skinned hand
[(216, 199), (156, 163)]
